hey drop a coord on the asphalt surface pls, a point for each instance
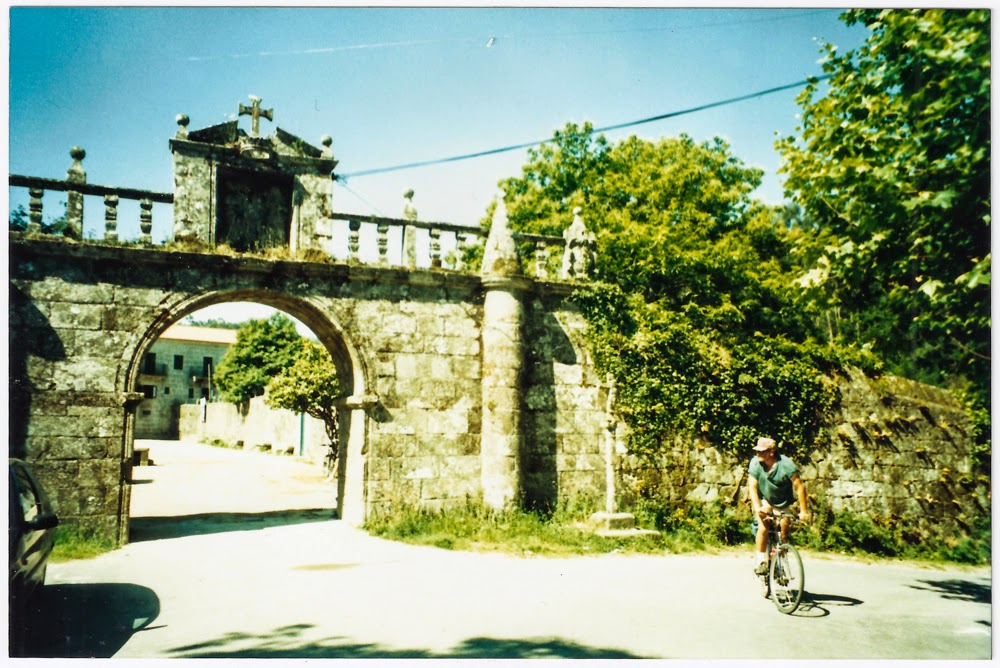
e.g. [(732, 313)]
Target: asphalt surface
[(236, 555)]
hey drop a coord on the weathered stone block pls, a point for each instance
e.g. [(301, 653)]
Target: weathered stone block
[(466, 367), (113, 344), (579, 444), (540, 398), (501, 421), (86, 374), (394, 445), (75, 316), (577, 463), (449, 488), (69, 426), (449, 423), (57, 290), (132, 319), (451, 344)]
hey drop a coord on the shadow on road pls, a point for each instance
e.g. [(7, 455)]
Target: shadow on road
[(156, 528), (286, 642), (816, 605), (95, 620), (958, 590)]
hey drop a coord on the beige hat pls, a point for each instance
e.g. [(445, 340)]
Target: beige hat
[(764, 443)]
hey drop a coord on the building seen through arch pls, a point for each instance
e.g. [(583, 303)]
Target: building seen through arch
[(178, 370)]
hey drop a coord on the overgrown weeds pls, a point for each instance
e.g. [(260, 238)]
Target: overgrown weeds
[(683, 527), (74, 542), (849, 532), (474, 526)]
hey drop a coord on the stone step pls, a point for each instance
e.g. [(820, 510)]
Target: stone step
[(625, 533), (613, 521), (617, 525)]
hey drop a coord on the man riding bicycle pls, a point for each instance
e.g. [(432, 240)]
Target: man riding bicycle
[(774, 483)]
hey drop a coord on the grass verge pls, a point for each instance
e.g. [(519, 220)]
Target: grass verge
[(73, 542), (691, 527)]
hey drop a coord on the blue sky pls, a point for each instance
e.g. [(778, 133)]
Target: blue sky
[(398, 85)]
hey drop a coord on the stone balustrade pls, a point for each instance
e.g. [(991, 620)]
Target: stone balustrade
[(355, 238), (76, 187), (442, 245)]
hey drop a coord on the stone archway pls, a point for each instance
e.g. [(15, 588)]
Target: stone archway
[(351, 369)]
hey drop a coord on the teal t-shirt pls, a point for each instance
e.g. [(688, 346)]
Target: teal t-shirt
[(775, 485)]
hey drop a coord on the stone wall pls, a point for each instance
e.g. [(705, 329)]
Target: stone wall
[(424, 436), (894, 449), (257, 428), (564, 409), (408, 345)]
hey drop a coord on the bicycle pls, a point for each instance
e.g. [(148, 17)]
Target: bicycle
[(330, 460), (785, 578)]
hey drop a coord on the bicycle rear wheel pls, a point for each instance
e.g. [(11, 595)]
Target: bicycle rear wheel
[(788, 579)]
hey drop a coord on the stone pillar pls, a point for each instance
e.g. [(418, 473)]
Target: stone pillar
[(35, 210), (146, 221), (610, 425), (111, 217), (74, 198), (503, 359)]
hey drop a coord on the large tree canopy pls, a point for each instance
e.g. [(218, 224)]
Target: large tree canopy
[(263, 349), (310, 385), (696, 314), (892, 165)]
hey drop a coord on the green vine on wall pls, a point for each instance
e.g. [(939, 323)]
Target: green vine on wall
[(676, 379)]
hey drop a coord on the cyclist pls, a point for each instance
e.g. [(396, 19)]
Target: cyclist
[(774, 482)]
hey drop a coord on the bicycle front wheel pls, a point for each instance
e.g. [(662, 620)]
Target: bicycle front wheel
[(788, 579)]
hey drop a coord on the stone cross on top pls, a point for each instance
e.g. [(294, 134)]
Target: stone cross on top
[(255, 113)]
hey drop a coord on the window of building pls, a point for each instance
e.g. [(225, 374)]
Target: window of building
[(148, 391), (150, 366), (190, 393), (206, 364), (178, 362), (166, 390)]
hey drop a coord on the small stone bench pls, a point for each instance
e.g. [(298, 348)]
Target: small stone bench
[(140, 457)]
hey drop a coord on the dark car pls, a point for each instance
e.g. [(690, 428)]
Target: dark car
[(31, 537)]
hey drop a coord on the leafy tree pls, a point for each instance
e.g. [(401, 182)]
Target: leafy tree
[(893, 165), (310, 385), (19, 219), (697, 316), (263, 349)]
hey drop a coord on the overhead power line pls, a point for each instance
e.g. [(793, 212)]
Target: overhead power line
[(618, 126)]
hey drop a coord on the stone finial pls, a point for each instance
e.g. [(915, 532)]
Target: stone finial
[(76, 173), (581, 248), (409, 212), (500, 256), (182, 125), (327, 142)]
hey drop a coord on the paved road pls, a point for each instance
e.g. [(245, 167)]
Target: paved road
[(260, 570)]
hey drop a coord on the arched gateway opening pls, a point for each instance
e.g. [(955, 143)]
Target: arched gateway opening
[(351, 371)]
